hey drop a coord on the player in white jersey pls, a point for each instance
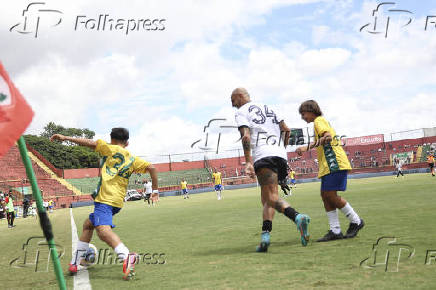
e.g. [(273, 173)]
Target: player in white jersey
[(399, 165), (265, 136), (148, 191)]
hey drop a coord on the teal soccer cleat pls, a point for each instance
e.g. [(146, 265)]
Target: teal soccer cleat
[(264, 243), (302, 221)]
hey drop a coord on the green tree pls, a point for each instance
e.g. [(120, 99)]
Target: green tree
[(66, 156)]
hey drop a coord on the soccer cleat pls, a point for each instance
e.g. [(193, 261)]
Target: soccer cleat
[(353, 229), (72, 268), (302, 221), (129, 266), (330, 236), (264, 243)]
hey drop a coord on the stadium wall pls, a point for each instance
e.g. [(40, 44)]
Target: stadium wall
[(81, 173)]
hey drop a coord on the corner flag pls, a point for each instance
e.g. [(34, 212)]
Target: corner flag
[(15, 116), (15, 113)]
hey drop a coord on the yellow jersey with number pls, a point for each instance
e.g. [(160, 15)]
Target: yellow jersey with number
[(118, 165), (217, 177), (292, 174), (183, 184), (331, 157)]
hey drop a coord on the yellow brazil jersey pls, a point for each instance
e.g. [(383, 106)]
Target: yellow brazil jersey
[(217, 177), (292, 174), (183, 184), (118, 165), (331, 157)]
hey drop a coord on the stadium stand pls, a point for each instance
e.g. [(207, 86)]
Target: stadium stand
[(13, 177), (375, 158)]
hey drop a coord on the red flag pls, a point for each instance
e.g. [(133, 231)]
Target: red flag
[(15, 113)]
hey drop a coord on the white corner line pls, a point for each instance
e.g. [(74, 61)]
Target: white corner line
[(81, 279)]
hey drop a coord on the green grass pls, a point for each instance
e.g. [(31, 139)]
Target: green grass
[(210, 244)]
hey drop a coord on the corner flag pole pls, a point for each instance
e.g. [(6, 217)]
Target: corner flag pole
[(43, 218)]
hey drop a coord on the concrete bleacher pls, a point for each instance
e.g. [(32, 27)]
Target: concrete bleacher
[(13, 176), (166, 179)]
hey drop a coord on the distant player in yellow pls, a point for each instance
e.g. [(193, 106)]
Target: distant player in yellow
[(292, 177), (218, 183), (333, 168), (184, 187), (118, 165), (430, 161), (50, 205)]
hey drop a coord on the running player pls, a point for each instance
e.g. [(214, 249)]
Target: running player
[(292, 177), (431, 161), (184, 187), (261, 134), (148, 188), (118, 165), (399, 165), (218, 183), (333, 167)]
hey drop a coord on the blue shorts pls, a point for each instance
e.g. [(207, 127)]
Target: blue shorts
[(334, 181), (185, 191), (218, 187), (293, 181), (102, 215)]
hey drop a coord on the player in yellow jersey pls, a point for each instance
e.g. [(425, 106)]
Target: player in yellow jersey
[(292, 177), (333, 167), (430, 161), (117, 167), (184, 187), (218, 183)]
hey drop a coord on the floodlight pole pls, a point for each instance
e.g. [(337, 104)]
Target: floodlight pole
[(43, 218)]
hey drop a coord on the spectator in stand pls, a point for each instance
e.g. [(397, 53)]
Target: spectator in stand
[(430, 161), (26, 204), (10, 209), (2, 206)]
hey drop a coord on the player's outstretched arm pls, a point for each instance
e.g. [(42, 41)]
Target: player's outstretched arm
[(80, 141), (285, 132), (154, 180)]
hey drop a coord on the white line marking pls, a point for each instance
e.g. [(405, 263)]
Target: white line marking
[(81, 279)]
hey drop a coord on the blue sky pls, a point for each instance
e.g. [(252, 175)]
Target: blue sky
[(165, 86)]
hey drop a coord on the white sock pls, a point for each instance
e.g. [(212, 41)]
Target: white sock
[(81, 249), (333, 217), (349, 212), (121, 251)]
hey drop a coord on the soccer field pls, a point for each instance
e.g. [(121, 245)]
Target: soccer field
[(205, 243)]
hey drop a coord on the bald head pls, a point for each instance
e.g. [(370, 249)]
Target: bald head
[(240, 97)]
